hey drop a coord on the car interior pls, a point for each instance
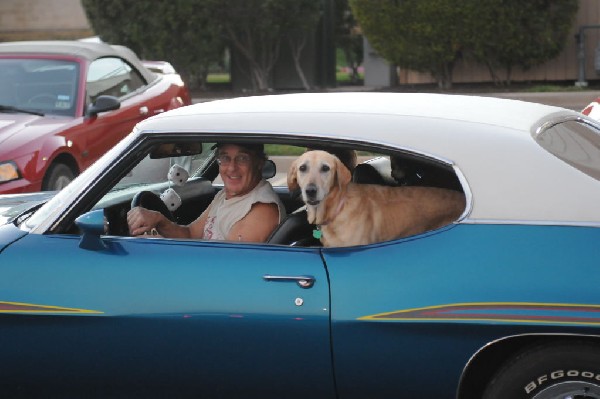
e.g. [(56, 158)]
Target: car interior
[(144, 184)]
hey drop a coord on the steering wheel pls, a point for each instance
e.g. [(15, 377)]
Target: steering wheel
[(149, 200)]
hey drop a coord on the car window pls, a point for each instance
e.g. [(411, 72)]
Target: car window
[(112, 76), (44, 85), (576, 143)]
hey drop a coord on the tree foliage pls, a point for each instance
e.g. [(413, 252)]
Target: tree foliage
[(259, 28), (348, 37), (520, 33), (431, 35), (182, 32), (415, 34), (192, 34)]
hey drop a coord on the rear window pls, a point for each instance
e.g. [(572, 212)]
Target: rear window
[(576, 143)]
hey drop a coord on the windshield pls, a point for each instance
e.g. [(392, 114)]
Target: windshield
[(46, 86)]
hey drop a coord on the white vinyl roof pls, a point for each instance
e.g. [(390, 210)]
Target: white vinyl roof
[(509, 177)]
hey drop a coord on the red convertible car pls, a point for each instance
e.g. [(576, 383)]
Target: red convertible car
[(63, 104)]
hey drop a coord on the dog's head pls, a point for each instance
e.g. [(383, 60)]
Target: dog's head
[(316, 174)]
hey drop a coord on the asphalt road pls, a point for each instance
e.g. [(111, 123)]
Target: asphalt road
[(575, 100)]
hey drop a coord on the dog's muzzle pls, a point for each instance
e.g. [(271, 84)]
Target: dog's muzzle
[(310, 194)]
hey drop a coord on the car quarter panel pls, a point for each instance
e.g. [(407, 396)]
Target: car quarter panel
[(416, 310), (174, 318)]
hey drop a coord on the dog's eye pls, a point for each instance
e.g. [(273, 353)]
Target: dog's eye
[(303, 168), (325, 168)]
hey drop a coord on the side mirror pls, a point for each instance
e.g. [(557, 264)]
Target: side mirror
[(93, 224), (102, 104), (269, 169)]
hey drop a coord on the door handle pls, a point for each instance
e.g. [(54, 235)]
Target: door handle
[(302, 281)]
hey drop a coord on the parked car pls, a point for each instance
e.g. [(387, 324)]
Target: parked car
[(593, 109), (63, 104), (501, 303)]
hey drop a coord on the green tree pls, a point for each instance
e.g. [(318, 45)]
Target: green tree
[(520, 33), (348, 37), (183, 32), (431, 35), (422, 35), (299, 29), (257, 29)]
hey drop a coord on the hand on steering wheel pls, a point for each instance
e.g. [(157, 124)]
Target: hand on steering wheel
[(149, 202)]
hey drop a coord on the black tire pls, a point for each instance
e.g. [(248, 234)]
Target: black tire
[(553, 371), (57, 177)]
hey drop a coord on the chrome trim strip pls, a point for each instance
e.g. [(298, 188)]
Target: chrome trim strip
[(530, 222)]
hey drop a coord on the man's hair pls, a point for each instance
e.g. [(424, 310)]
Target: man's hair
[(257, 149), (348, 157)]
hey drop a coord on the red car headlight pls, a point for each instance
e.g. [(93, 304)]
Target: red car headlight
[(9, 171)]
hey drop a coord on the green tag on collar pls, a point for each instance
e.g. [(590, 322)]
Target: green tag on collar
[(317, 233)]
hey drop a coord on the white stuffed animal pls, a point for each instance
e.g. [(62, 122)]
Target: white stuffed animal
[(178, 176), (171, 199)]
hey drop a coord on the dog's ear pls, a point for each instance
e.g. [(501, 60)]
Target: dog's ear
[(292, 178), (342, 174)]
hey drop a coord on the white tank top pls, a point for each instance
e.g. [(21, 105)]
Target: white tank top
[(224, 213)]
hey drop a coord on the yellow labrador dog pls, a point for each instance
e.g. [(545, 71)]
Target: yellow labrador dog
[(349, 214)]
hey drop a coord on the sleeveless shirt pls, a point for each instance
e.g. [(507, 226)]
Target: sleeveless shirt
[(224, 213)]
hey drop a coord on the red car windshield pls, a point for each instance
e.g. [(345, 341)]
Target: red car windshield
[(48, 86)]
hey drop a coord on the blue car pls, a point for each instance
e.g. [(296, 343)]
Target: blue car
[(502, 303)]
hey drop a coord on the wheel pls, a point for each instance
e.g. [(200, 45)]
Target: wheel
[(557, 371), (57, 177), (149, 200)]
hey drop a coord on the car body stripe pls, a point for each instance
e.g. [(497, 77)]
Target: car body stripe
[(503, 312), (17, 307)]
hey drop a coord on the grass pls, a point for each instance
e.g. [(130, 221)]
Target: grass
[(222, 78), (279, 149), (218, 78)]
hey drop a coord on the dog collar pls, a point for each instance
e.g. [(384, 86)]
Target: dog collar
[(317, 233)]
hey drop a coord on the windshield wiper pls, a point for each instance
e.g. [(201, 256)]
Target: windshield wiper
[(10, 108)]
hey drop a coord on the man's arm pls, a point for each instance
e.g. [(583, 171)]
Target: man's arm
[(257, 225)]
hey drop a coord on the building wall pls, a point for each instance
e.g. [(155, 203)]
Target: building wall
[(42, 20)]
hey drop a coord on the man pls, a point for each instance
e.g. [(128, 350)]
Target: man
[(247, 209)]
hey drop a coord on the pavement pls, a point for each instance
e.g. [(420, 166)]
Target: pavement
[(575, 100)]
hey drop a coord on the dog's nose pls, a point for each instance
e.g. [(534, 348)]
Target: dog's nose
[(311, 191)]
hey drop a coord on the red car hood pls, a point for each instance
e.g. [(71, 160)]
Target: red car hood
[(18, 130)]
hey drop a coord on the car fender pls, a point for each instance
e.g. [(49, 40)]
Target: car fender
[(53, 148)]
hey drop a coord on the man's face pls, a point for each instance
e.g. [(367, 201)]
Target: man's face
[(239, 169)]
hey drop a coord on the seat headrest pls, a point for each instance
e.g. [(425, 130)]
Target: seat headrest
[(366, 174)]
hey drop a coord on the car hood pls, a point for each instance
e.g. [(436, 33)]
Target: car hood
[(19, 129), (12, 205)]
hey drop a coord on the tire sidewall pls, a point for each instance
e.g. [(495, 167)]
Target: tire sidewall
[(537, 370), (55, 173)]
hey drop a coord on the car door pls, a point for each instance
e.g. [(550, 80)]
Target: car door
[(113, 76), (169, 318), (374, 290)]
